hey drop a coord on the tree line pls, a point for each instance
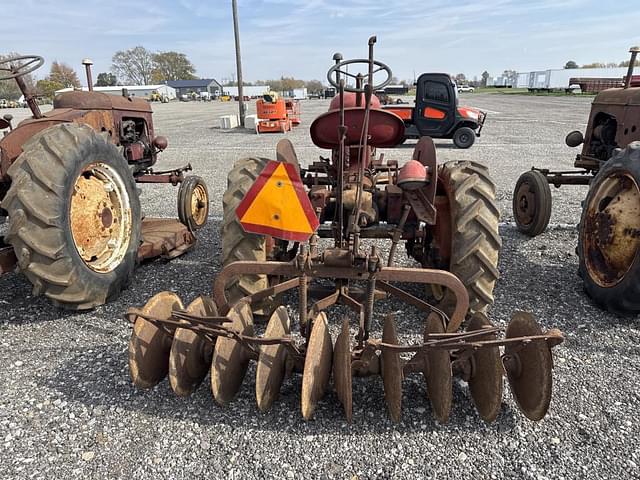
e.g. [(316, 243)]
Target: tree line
[(571, 64)]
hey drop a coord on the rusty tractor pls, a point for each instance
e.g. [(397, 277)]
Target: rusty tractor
[(68, 189), (609, 229), (277, 216)]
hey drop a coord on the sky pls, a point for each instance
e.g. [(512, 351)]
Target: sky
[(299, 38)]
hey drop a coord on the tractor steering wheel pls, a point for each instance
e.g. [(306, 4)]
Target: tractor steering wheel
[(338, 70), (33, 62)]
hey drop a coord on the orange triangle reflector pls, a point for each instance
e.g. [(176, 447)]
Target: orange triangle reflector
[(277, 205)]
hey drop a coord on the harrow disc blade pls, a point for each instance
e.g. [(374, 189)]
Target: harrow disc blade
[(438, 373), (191, 353), (149, 345), (271, 368), (528, 367), (486, 382), (317, 366), (230, 358), (342, 370), (392, 371)]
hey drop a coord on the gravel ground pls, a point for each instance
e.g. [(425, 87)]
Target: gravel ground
[(68, 409)]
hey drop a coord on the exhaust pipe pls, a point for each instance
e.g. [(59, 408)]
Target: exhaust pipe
[(634, 53), (87, 65)]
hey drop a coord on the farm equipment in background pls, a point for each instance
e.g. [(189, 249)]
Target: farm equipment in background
[(275, 114), (609, 230), (436, 112), (275, 214), (68, 190)]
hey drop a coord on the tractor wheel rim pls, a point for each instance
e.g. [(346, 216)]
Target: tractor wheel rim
[(611, 230), (100, 217), (526, 204), (199, 205)]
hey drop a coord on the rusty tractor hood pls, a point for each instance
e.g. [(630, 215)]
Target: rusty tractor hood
[(618, 96), (80, 100)]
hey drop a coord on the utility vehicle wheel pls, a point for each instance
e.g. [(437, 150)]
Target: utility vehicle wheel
[(236, 243), (74, 216), (467, 231), (193, 203), (464, 137), (609, 234), (532, 203)]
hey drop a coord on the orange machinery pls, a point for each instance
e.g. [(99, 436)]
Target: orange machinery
[(275, 115)]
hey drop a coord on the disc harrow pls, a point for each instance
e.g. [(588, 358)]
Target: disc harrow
[(188, 343)]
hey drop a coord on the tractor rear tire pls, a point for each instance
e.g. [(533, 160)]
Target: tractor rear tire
[(475, 239), (236, 243), (45, 235), (609, 234), (464, 137)]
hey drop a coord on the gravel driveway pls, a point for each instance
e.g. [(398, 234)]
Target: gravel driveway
[(68, 409)]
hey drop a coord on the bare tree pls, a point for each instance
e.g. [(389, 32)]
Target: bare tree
[(134, 66)]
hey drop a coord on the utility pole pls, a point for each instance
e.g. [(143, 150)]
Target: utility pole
[(234, 6)]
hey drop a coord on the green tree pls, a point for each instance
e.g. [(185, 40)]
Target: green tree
[(106, 79), (570, 65), (485, 78), (460, 79), (172, 66), (134, 66), (63, 74), (47, 88)]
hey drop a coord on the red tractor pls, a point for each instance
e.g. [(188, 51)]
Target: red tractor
[(68, 191), (276, 212)]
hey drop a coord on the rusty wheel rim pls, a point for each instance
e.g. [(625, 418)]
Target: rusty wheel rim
[(230, 358), (271, 369), (191, 353), (317, 366), (392, 371), (528, 367), (611, 229), (438, 373), (486, 382), (526, 203), (342, 378), (100, 217), (199, 207), (149, 345)]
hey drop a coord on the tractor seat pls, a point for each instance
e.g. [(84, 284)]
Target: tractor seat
[(386, 129)]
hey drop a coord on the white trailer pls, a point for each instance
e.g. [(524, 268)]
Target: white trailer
[(251, 91)]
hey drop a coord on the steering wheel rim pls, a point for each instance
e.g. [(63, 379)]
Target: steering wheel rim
[(337, 68), (33, 63)]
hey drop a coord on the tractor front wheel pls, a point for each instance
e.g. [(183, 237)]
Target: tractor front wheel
[(609, 234), (532, 203), (74, 216)]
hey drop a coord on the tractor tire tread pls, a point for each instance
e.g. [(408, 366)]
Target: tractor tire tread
[(477, 242)]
